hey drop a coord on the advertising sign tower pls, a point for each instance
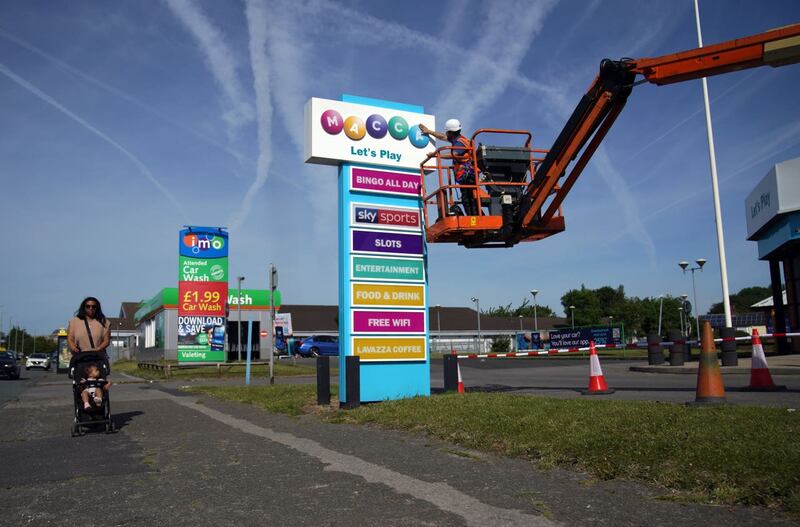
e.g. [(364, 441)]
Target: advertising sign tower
[(383, 306), (202, 293)]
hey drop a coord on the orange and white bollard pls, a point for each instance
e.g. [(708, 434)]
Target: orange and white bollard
[(760, 378), (460, 380), (710, 388)]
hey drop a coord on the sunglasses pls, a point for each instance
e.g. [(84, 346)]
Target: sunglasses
[(90, 306)]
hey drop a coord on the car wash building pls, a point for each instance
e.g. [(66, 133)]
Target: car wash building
[(773, 222), (247, 314)]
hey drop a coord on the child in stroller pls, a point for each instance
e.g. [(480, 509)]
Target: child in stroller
[(93, 386), (92, 406)]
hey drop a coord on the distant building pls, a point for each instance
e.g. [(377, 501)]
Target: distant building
[(155, 325)]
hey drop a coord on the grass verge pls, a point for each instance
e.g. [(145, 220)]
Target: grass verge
[(289, 399), (724, 455), (237, 371)]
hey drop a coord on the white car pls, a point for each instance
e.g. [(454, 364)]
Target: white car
[(38, 360)]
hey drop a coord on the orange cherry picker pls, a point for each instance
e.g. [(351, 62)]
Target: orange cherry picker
[(521, 189)]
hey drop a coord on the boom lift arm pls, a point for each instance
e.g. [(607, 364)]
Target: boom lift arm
[(540, 202)]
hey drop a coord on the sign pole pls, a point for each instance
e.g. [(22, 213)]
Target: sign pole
[(273, 285), (249, 349)]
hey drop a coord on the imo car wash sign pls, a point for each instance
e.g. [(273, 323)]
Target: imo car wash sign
[(383, 312), (202, 293)]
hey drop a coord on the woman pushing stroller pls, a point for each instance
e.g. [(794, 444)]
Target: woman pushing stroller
[(88, 336)]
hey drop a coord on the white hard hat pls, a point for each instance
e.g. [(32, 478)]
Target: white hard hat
[(452, 125)]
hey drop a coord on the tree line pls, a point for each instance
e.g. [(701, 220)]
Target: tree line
[(640, 316), (19, 340)]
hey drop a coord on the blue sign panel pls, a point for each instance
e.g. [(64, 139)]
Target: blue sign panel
[(203, 242)]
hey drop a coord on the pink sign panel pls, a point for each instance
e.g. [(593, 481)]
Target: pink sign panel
[(388, 321), (383, 181)]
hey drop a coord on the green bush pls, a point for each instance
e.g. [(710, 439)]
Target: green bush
[(501, 345)]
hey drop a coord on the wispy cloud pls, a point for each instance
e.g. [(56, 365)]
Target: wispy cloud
[(466, 98), (359, 27), (119, 93), (626, 203), (220, 59), (257, 23), (136, 161), (288, 54)]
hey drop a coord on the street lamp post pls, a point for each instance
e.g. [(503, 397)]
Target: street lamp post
[(534, 292), (478, 309), (686, 326), (660, 312), (610, 321), (680, 314), (572, 313), (239, 280), (520, 323), (700, 263)]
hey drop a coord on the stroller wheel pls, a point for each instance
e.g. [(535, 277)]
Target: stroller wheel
[(111, 427), (74, 432)]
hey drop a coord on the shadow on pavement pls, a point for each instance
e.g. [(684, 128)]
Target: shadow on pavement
[(122, 419)]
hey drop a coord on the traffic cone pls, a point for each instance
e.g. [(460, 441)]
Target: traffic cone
[(710, 389), (760, 379), (597, 383), (460, 380)]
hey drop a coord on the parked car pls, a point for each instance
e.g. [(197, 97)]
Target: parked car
[(9, 365), (316, 345), (38, 360)]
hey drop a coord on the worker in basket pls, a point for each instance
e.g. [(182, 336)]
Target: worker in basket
[(463, 168)]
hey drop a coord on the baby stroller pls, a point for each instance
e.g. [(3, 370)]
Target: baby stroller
[(97, 416)]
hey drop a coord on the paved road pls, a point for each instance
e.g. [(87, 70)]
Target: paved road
[(11, 389), (566, 377), (180, 460)]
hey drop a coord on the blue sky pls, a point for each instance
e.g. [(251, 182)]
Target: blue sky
[(123, 121)]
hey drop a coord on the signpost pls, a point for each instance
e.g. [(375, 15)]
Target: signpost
[(383, 310), (202, 293)]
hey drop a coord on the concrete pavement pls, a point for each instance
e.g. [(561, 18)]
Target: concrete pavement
[(184, 460)]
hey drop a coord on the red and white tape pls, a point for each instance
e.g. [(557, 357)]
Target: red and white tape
[(540, 353)]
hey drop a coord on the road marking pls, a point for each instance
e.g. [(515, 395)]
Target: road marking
[(439, 494)]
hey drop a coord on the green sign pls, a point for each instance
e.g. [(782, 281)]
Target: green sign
[(403, 269), (199, 354), (203, 269)]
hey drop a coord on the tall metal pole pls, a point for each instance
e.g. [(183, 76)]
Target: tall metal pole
[(680, 313), (696, 312), (478, 307), (660, 311), (535, 318), (723, 264), (273, 287), (520, 323), (572, 312), (239, 280)]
